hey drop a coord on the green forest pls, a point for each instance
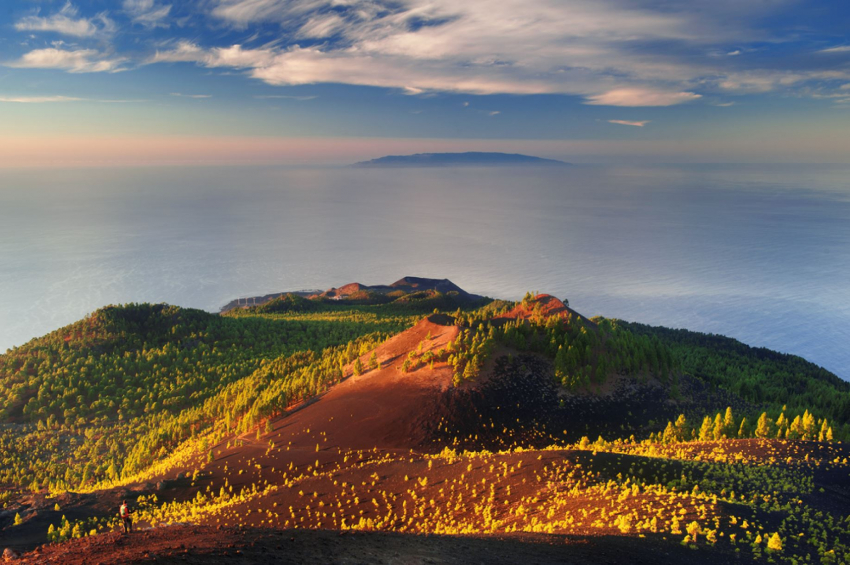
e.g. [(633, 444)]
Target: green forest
[(757, 375), (114, 392)]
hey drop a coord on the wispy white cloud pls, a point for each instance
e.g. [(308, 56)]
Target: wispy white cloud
[(321, 26), (182, 52), (578, 47), (148, 13), (39, 99), (476, 46), (198, 96), (75, 61), (233, 56), (244, 12), (758, 80), (638, 124), (838, 49), (641, 97), (494, 113), (58, 99), (600, 50), (67, 22)]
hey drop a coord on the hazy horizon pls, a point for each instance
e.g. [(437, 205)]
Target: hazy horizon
[(758, 253)]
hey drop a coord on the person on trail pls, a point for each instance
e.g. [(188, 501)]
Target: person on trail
[(124, 512)]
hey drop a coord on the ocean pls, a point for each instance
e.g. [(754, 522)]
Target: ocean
[(760, 253)]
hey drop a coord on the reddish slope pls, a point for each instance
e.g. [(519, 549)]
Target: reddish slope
[(342, 291), (379, 407), (549, 306)]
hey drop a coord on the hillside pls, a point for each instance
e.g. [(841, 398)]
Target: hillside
[(520, 424), (471, 158)]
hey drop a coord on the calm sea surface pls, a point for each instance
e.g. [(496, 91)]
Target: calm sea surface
[(759, 253)]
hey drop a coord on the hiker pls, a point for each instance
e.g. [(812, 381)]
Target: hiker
[(124, 512)]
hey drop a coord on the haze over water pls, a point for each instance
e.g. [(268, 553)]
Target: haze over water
[(759, 253)]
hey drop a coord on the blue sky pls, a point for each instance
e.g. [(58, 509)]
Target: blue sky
[(591, 79)]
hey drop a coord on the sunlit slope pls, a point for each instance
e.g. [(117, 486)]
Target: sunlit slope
[(510, 419)]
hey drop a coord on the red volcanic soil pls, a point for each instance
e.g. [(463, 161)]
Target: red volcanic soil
[(372, 414), (342, 291), (544, 305), (378, 408)]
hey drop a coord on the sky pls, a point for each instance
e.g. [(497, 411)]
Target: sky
[(113, 82)]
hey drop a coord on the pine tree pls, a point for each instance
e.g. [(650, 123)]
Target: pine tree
[(795, 431), (706, 430), (718, 427), (763, 426), (809, 426), (681, 426), (728, 422), (822, 432), (669, 433), (781, 426), (470, 372)]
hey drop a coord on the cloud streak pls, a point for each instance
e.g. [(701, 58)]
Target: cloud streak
[(641, 97), (75, 61), (38, 99), (148, 13), (66, 22), (838, 49), (638, 124), (58, 99)]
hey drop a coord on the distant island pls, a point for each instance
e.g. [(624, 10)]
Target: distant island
[(471, 158)]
